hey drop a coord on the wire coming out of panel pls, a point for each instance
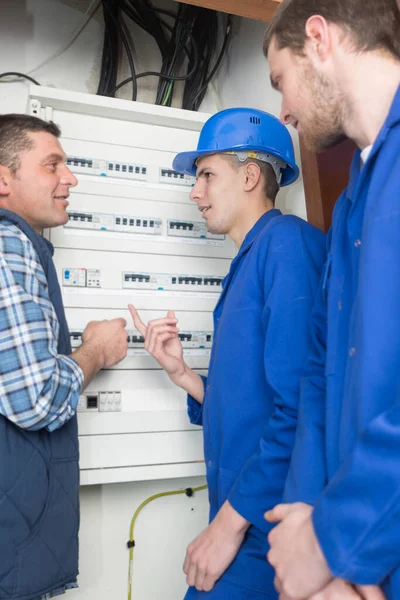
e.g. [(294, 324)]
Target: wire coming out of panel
[(187, 41)]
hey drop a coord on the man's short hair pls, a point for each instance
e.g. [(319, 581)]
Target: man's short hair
[(14, 139), (371, 25), (271, 186)]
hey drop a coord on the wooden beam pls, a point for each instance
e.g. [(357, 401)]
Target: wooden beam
[(262, 10), (312, 187), (325, 176)]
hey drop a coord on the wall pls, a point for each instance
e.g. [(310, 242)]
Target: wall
[(31, 31)]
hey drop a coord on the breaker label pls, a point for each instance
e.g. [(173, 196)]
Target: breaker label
[(164, 281)]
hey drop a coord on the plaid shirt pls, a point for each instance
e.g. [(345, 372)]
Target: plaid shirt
[(38, 387)]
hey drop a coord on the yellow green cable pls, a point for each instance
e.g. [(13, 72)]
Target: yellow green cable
[(131, 541), (168, 93)]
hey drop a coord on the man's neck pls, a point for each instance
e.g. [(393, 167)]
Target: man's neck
[(369, 83), (246, 222)]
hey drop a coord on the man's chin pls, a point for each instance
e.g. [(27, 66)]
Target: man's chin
[(322, 143), (59, 220)]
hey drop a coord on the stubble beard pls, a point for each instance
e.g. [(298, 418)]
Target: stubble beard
[(323, 128)]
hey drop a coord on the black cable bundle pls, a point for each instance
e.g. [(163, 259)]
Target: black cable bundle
[(205, 32), (193, 35), (109, 60), (172, 59)]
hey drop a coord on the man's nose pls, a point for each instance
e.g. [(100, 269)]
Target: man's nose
[(68, 178), (285, 117), (196, 193)]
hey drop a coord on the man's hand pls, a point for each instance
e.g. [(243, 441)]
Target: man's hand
[(211, 553), (162, 342), (108, 339), (104, 344), (300, 567), (370, 592), (338, 589)]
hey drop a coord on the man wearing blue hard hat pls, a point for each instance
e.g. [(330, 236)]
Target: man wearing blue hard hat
[(261, 341)]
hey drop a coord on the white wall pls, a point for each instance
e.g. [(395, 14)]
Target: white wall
[(30, 31), (162, 532)]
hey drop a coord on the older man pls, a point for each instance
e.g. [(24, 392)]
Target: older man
[(40, 379)]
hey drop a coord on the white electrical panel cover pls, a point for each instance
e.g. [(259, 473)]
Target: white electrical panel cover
[(134, 236)]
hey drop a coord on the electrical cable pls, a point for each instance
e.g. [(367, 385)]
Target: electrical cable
[(193, 34), (131, 542), (110, 54), (169, 67), (152, 74), (19, 76), (205, 32), (125, 41), (219, 59)]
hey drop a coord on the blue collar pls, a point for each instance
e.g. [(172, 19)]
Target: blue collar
[(392, 119), (257, 228)]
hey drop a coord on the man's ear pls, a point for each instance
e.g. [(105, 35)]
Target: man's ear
[(320, 37), (5, 177), (252, 174)]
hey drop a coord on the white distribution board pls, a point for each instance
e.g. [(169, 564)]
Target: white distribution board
[(134, 236)]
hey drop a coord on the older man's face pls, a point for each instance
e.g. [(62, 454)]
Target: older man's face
[(39, 190)]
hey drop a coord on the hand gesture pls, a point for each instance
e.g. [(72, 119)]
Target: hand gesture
[(162, 342)]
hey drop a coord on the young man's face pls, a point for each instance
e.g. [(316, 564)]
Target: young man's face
[(218, 193), (310, 100), (39, 190)]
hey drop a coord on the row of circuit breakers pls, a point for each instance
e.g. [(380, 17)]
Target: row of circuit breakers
[(143, 225), (136, 172), (91, 278), (196, 340)]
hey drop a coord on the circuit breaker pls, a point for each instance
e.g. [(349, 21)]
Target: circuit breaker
[(134, 236)]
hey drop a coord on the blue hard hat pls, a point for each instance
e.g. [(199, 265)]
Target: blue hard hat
[(242, 129)]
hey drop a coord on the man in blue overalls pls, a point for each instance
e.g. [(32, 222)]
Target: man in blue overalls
[(261, 339), (337, 65)]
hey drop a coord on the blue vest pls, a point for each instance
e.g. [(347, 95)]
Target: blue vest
[(39, 481)]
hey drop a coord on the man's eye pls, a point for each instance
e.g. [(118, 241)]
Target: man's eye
[(52, 165), (207, 175)]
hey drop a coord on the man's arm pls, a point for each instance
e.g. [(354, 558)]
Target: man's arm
[(162, 342), (38, 387), (307, 471), (289, 297)]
